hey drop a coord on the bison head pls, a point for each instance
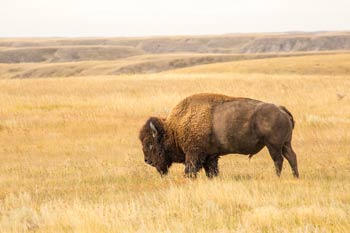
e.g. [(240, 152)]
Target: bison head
[(152, 137)]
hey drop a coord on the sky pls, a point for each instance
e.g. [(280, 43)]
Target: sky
[(107, 18)]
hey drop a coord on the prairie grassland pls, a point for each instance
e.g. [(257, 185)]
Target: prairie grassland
[(71, 160)]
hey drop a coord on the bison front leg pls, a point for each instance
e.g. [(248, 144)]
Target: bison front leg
[(211, 166), (192, 165)]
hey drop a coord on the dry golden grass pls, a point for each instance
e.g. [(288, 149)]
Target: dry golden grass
[(71, 160)]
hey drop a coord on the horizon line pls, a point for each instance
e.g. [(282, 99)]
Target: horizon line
[(182, 35)]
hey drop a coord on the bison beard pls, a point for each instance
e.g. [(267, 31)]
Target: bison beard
[(203, 127)]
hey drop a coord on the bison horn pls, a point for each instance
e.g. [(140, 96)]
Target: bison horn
[(154, 130)]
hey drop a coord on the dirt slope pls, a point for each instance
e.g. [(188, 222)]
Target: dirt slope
[(80, 49)]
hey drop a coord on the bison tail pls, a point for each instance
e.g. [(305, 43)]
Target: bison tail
[(290, 115)]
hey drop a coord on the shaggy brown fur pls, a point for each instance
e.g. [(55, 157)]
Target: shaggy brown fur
[(203, 127)]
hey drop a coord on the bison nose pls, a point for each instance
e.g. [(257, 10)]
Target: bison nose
[(148, 161)]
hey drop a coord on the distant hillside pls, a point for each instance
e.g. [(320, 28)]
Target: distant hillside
[(66, 53), (152, 63), (301, 63), (64, 57), (82, 49), (320, 64)]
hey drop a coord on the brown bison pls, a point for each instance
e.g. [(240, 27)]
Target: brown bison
[(203, 127)]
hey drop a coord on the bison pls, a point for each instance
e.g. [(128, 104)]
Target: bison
[(203, 127)]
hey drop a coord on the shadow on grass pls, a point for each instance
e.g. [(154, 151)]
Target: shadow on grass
[(242, 177)]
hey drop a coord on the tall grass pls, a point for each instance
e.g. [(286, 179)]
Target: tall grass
[(71, 160)]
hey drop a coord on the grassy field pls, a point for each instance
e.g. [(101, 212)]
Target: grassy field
[(71, 160)]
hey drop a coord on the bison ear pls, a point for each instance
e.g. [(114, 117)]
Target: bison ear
[(154, 130)]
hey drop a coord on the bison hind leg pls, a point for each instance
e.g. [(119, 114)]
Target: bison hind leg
[(290, 155), (276, 155), (211, 166)]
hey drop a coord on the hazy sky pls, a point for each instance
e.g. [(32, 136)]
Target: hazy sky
[(77, 18)]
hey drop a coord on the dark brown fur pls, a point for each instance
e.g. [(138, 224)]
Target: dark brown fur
[(203, 127)]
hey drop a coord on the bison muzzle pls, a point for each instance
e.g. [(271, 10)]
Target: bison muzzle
[(203, 127)]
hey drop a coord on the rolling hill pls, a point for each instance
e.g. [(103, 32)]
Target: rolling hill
[(316, 64), (64, 57), (78, 49)]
